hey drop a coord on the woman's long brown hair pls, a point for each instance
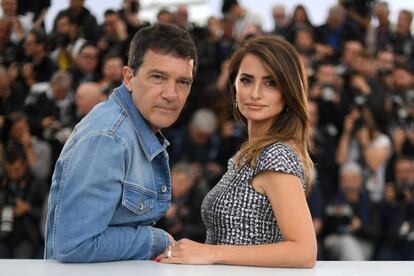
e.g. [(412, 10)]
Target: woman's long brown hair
[(291, 125)]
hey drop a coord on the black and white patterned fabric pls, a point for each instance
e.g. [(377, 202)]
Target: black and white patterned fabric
[(234, 213)]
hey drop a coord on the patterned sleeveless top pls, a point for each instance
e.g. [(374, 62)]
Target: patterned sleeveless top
[(234, 213)]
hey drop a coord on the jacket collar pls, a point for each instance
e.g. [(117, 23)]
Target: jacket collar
[(151, 143)]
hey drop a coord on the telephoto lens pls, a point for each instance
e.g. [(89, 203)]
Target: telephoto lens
[(6, 223)]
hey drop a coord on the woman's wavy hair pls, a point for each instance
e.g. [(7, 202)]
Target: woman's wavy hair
[(291, 125)]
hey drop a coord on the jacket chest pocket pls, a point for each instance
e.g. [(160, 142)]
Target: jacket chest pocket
[(138, 199)]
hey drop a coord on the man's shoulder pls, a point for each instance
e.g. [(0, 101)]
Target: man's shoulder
[(107, 118)]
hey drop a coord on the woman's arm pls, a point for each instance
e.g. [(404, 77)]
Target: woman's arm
[(375, 157), (298, 248)]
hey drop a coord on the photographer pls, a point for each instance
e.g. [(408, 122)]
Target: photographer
[(51, 110), (183, 220), (66, 40), (21, 200), (399, 109), (36, 66), (398, 213), (361, 141), (358, 16), (130, 14), (326, 91), (114, 34), (352, 221)]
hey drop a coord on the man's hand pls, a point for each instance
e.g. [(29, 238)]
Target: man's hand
[(22, 207)]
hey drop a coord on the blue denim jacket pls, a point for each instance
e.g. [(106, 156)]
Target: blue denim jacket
[(110, 184)]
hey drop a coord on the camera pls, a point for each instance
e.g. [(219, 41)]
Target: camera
[(400, 111), (341, 214), (134, 6), (328, 92), (359, 104), (6, 221), (401, 189)]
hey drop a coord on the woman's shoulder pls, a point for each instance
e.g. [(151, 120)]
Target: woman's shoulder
[(280, 157), (280, 148), (382, 140)]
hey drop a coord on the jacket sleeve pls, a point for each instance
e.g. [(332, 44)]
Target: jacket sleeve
[(89, 193)]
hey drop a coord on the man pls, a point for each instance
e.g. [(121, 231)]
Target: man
[(87, 21), (87, 96), (21, 196), (112, 182), (20, 25), (84, 68), (40, 66), (244, 18)]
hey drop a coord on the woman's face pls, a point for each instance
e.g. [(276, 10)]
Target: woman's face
[(258, 98)]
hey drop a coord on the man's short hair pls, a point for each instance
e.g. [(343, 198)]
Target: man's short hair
[(161, 38), (40, 36), (14, 152), (227, 5)]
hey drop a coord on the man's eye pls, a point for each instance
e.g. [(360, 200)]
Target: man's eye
[(184, 83), (157, 78)]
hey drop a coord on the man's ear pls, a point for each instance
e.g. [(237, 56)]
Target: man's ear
[(128, 76)]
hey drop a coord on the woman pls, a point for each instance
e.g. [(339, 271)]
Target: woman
[(363, 142), (266, 179)]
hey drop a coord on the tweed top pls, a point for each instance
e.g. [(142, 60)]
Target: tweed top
[(234, 213)]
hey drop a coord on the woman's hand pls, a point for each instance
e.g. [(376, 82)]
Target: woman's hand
[(188, 252)]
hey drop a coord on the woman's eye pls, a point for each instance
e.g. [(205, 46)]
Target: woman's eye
[(271, 83), (245, 81), (184, 83)]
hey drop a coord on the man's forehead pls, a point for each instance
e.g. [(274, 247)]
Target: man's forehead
[(153, 59)]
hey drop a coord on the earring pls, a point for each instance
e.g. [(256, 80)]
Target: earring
[(286, 109), (235, 104)]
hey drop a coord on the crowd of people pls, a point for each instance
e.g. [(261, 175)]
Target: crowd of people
[(360, 67)]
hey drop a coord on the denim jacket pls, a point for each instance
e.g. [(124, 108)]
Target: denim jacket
[(110, 185)]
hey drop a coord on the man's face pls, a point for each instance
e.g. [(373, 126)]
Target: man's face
[(326, 74), (160, 87), (9, 7), (112, 69), (404, 171), (87, 60), (15, 171), (30, 45)]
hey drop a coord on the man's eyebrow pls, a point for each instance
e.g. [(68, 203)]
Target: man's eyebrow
[(157, 71), (189, 79)]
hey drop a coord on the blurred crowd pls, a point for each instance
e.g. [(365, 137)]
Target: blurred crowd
[(361, 108)]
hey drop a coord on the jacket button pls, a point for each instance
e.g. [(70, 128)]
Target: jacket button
[(163, 188), (141, 206)]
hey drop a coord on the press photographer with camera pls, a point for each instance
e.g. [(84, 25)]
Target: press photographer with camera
[(351, 218), (362, 141), (358, 16), (399, 107), (397, 212), (21, 201)]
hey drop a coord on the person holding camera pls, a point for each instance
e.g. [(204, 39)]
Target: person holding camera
[(130, 14), (351, 219), (362, 141), (398, 213), (87, 21), (400, 112), (327, 92), (21, 201)]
